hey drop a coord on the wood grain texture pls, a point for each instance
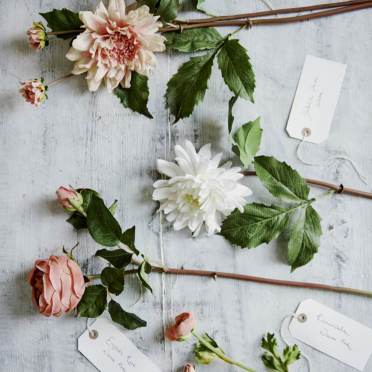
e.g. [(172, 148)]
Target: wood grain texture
[(87, 139)]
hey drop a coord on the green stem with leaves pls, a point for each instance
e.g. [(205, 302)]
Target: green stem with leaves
[(220, 354)]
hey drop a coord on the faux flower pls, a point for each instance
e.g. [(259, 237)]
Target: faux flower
[(37, 37), (189, 368), (182, 328), (114, 44), (57, 285), (69, 199), (198, 191), (34, 91)]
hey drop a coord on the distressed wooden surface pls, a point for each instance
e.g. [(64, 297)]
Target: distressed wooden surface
[(88, 139)]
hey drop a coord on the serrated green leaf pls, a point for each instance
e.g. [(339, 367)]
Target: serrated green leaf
[(188, 86), (94, 301), (247, 141), (272, 358), (113, 279), (152, 4), (128, 238), (143, 274), (230, 116), (168, 10), (63, 20), (304, 237), (193, 40), (77, 221), (102, 225), (236, 69), (281, 180), (136, 97), (256, 225), (117, 257), (127, 320)]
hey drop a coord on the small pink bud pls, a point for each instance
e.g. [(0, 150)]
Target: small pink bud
[(37, 36), (34, 91), (69, 199), (189, 368), (182, 328)]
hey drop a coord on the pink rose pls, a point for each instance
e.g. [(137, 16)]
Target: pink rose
[(181, 330), (57, 285), (189, 368), (37, 37), (34, 91), (69, 199)]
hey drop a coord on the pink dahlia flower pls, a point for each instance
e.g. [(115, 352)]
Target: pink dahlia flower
[(34, 91), (37, 36), (114, 44), (57, 285)]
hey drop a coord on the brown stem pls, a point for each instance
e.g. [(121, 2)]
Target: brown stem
[(256, 279), (56, 81), (259, 14), (52, 33), (341, 189), (267, 21)]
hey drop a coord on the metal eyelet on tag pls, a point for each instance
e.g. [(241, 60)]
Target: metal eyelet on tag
[(302, 318), (93, 334), (306, 132)]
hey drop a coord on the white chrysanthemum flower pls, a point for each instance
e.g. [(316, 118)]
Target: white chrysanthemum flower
[(114, 44), (198, 191)]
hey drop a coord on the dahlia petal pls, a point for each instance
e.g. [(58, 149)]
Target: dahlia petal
[(101, 10), (83, 41), (116, 9), (73, 54), (168, 168), (93, 22)]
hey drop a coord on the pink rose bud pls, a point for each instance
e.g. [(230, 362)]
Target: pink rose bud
[(189, 368), (57, 285), (37, 36), (181, 330), (69, 199), (34, 91)]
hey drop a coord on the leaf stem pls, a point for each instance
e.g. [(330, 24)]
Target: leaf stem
[(251, 278), (340, 189), (219, 353)]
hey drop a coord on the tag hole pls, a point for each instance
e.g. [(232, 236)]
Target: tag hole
[(306, 132), (302, 318), (93, 334)]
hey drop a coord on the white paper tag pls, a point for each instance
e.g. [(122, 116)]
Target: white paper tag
[(332, 333), (316, 99), (112, 351)]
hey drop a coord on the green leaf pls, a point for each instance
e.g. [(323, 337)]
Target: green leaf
[(193, 40), (113, 207), (188, 86), (102, 225), (117, 257), (127, 320), (281, 180), (63, 20), (128, 238), (94, 301), (168, 9), (143, 270), (77, 221), (230, 116), (113, 279), (247, 141), (136, 97), (87, 196), (256, 225), (304, 237), (236, 69), (152, 4), (272, 358)]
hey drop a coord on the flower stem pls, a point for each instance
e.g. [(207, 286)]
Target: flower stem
[(56, 81), (219, 353)]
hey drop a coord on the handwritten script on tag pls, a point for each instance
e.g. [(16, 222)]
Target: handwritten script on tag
[(112, 351), (316, 99), (333, 333)]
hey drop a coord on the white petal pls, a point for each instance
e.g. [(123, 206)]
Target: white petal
[(168, 168), (83, 42), (92, 21), (116, 9)]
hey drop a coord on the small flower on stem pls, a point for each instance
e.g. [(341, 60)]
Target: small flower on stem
[(34, 91), (182, 328), (37, 36), (70, 200)]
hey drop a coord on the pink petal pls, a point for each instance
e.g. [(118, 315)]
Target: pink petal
[(93, 22), (55, 274), (78, 283), (48, 289), (116, 9), (42, 265)]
